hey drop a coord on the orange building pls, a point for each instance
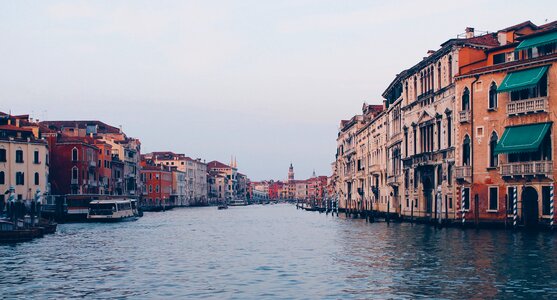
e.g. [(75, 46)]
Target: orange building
[(504, 154)]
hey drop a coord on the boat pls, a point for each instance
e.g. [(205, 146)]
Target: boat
[(238, 202), (10, 234), (224, 206), (137, 211), (47, 227), (111, 210)]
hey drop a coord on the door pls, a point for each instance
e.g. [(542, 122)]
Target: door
[(530, 207)]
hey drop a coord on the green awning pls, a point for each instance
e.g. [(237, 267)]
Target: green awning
[(522, 138), (520, 80), (537, 41)]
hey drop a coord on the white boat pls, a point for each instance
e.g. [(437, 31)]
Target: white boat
[(111, 210)]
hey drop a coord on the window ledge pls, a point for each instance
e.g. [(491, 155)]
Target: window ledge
[(492, 109), (491, 168), (492, 211)]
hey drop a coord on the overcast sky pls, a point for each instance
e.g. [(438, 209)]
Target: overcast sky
[(266, 81)]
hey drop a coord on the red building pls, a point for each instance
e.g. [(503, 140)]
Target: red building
[(274, 189), (157, 186), (73, 165)]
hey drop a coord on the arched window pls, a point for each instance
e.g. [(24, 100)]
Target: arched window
[(421, 83), (466, 99), (493, 96), (415, 87), (466, 151), (439, 75), (450, 69), (432, 79), (75, 173), (493, 158), (75, 156), (37, 178), (439, 175)]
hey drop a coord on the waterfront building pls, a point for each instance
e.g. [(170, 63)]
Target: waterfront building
[(425, 94), (24, 159), (73, 162), (505, 129), (125, 151), (348, 164), (217, 187), (178, 196), (230, 172), (195, 170), (463, 133), (157, 187)]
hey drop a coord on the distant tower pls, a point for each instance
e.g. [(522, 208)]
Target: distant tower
[(291, 173), (313, 176)]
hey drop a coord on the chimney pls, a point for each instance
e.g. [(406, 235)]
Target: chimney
[(469, 32), (430, 52), (502, 38)]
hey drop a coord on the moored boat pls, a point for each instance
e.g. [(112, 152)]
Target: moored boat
[(9, 233)]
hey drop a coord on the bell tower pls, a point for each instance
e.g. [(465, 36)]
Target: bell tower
[(291, 173)]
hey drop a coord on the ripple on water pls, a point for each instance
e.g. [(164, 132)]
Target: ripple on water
[(276, 252)]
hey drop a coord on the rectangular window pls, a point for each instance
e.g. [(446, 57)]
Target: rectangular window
[(2, 155), (546, 200), (499, 58), (466, 200), (2, 178), (449, 132), (450, 203), (36, 157), (493, 198)]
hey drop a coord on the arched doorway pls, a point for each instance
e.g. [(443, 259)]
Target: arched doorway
[(529, 206), (428, 188)]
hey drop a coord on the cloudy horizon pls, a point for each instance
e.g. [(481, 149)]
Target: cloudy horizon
[(265, 82)]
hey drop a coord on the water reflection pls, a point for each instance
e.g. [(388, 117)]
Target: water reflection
[(277, 252)]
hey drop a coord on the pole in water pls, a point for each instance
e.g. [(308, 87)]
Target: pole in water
[(462, 208), (515, 206), (551, 207)]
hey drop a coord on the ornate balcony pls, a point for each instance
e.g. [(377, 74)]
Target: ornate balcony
[(534, 105), (528, 168), (463, 173), (392, 180), (464, 116)]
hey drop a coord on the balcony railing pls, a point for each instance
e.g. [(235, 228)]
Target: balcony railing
[(463, 173), (392, 179), (74, 181), (527, 106), (528, 168), (464, 116)]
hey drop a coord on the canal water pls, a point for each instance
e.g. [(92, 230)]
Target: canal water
[(277, 252)]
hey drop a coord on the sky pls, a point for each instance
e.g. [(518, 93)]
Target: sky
[(265, 81)]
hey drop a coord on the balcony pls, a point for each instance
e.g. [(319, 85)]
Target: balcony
[(74, 181), (527, 106), (392, 179), (463, 173), (528, 168), (464, 116)]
